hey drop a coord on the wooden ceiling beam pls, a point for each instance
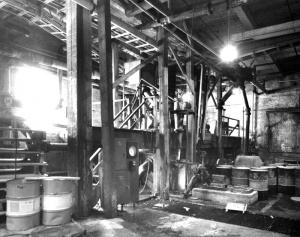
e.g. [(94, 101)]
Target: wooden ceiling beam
[(244, 16), (290, 27), (144, 5)]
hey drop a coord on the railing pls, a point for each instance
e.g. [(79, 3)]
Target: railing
[(229, 125), (134, 112), (95, 165)]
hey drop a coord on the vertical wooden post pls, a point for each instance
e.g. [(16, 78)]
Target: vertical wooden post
[(115, 72), (163, 150), (107, 133), (191, 134), (220, 111), (79, 101)]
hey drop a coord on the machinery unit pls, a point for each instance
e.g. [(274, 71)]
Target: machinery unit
[(126, 170)]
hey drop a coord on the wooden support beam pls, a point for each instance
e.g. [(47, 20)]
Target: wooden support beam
[(109, 199), (220, 113), (185, 15), (243, 14), (186, 78), (191, 123), (134, 70), (290, 27), (79, 114), (117, 21), (144, 5), (115, 73), (162, 164), (227, 95), (248, 115)]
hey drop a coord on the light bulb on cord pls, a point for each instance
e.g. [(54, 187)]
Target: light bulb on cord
[(229, 53)]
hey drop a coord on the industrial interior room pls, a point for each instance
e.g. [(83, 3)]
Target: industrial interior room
[(149, 118)]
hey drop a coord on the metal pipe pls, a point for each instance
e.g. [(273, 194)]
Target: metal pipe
[(199, 104)]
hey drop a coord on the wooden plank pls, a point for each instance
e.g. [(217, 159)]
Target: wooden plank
[(290, 27), (109, 197), (79, 66)]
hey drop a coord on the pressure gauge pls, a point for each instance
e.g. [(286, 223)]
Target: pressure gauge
[(132, 151)]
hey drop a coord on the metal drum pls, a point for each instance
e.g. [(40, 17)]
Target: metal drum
[(57, 200), (258, 180), (23, 204), (226, 171), (272, 178), (240, 176), (286, 179), (297, 180)]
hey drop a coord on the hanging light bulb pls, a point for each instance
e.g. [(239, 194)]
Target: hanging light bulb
[(229, 53)]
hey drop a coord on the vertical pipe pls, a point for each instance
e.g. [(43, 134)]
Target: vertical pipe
[(199, 104)]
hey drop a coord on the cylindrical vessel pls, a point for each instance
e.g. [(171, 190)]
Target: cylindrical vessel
[(272, 178), (297, 181), (23, 204), (226, 171), (57, 201), (258, 180), (286, 179), (240, 176)]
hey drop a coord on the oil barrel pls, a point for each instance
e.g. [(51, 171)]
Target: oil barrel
[(240, 176), (57, 200), (225, 170), (258, 180), (272, 178), (23, 204), (286, 179)]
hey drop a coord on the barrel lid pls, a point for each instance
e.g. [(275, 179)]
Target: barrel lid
[(287, 167), (53, 178), (224, 166), (240, 168), (258, 169)]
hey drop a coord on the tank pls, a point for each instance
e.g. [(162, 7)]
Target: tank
[(23, 204), (258, 180), (240, 176), (57, 201)]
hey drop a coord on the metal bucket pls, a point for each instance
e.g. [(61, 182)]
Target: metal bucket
[(286, 179), (57, 201), (23, 204), (272, 178), (258, 180), (297, 181), (226, 171), (240, 176)]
